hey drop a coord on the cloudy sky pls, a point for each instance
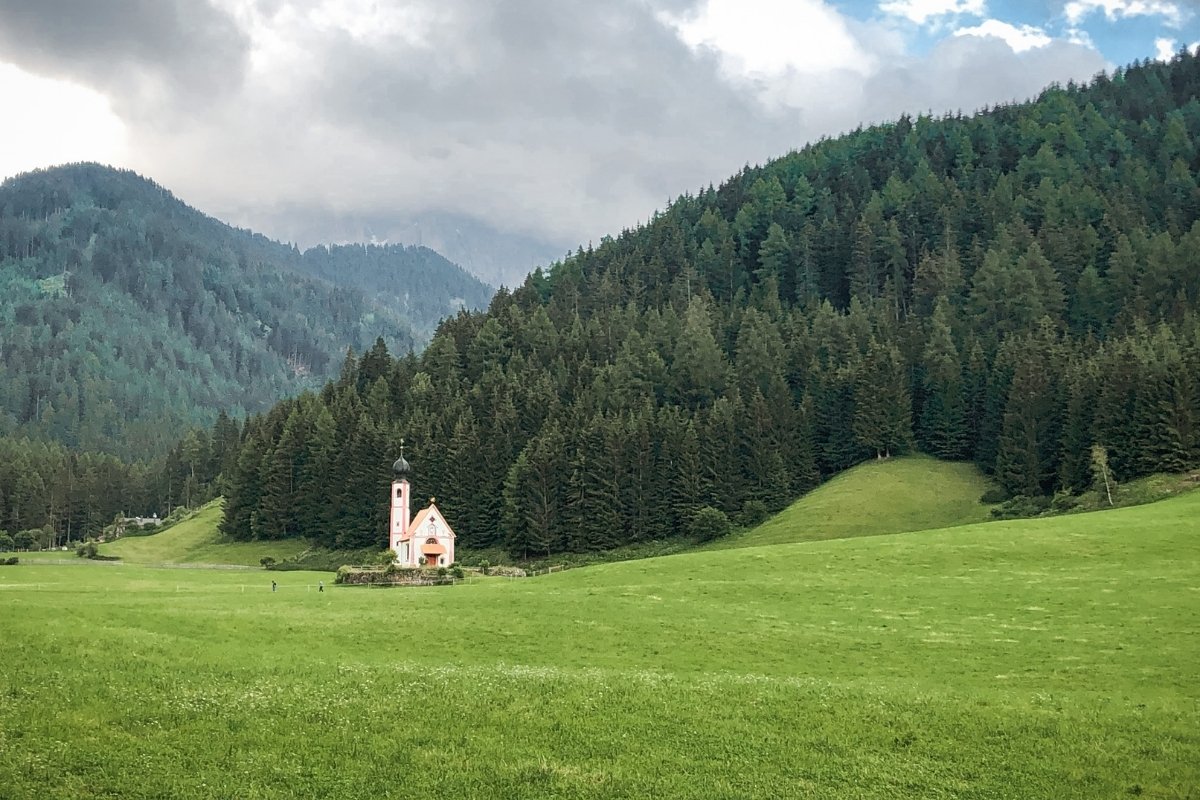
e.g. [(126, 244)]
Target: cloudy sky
[(561, 120)]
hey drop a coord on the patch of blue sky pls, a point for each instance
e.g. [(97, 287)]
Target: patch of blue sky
[(1120, 39)]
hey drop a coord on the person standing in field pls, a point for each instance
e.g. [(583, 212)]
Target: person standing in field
[(320, 586), (274, 586)]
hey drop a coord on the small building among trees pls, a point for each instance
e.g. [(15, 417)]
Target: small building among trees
[(424, 540)]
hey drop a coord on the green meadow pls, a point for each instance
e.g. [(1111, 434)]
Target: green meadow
[(195, 541), (1047, 658), (896, 495)]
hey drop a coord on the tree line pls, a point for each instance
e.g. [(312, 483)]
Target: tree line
[(1011, 288), (55, 495)]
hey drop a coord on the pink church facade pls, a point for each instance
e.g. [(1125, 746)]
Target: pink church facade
[(424, 540)]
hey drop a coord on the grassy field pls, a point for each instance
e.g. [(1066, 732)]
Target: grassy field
[(196, 541), (913, 493), (1050, 658)]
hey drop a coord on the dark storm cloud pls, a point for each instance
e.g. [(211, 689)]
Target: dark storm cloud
[(116, 44)]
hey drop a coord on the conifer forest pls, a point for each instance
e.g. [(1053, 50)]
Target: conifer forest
[(1016, 288)]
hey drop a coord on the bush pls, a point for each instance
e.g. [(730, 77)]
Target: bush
[(267, 562), (993, 496), (1021, 506), (6, 542), (321, 560), (457, 572), (25, 540), (708, 523), (1064, 501), (754, 512), (385, 557), (86, 549), (485, 567), (9, 562)]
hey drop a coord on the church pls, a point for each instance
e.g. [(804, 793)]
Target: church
[(424, 540)]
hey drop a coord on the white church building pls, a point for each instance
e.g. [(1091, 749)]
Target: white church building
[(424, 540)]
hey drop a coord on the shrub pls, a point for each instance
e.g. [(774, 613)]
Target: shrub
[(754, 512), (86, 549), (11, 561), (708, 523), (1021, 506), (6, 542), (385, 557), (1064, 501), (993, 496), (267, 562), (25, 540), (485, 567), (443, 572), (457, 572)]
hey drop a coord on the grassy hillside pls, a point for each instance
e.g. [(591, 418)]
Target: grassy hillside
[(1049, 658), (900, 494), (197, 541)]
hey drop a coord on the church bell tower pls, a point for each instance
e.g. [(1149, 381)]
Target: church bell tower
[(401, 516)]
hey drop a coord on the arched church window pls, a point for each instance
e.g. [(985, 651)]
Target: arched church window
[(431, 540), (398, 492)]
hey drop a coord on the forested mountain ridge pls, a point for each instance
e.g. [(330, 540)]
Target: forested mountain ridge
[(127, 316), (1013, 287), (416, 283)]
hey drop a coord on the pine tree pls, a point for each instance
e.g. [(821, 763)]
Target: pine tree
[(943, 428), (592, 513), (1030, 436), (882, 408), (698, 370), (1081, 379)]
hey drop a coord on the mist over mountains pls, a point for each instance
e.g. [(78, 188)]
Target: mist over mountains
[(126, 316), (496, 257)]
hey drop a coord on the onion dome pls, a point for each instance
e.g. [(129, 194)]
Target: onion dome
[(401, 468)]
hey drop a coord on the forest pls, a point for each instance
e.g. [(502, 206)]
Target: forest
[(1013, 288), (1017, 288), (126, 316)]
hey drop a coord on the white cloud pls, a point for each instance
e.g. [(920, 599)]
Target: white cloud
[(769, 37), (1080, 37), (921, 11), (561, 119), (59, 122), (1164, 49), (1020, 39), (1113, 10)]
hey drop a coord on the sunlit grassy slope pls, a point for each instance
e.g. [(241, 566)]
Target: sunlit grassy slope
[(197, 541), (1046, 658), (892, 496)]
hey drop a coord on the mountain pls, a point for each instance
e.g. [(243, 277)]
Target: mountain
[(497, 257), (126, 316), (416, 283), (1017, 288)]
